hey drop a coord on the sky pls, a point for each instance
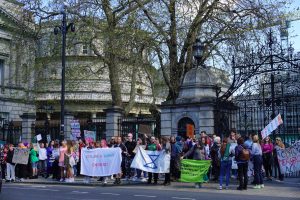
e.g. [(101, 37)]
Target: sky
[(294, 30)]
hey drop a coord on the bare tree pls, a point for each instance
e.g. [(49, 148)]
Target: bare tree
[(112, 30), (225, 27)]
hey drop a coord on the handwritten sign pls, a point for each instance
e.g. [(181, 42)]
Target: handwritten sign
[(21, 156), (100, 161), (273, 125), (289, 158), (75, 129)]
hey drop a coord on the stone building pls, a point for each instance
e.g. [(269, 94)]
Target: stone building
[(87, 93), (17, 59)]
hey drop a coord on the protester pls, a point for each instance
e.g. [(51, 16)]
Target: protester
[(21, 169), (232, 137), (120, 145), (50, 158), (226, 153), (103, 145), (62, 151), (3, 157), (55, 164), (214, 154), (139, 172), (80, 146), (153, 146), (10, 166), (34, 160), (130, 146), (257, 163), (42, 160), (166, 146), (197, 152), (242, 161), (176, 153), (278, 146), (69, 162), (267, 150)]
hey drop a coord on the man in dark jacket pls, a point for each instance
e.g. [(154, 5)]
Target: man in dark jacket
[(130, 145), (10, 166)]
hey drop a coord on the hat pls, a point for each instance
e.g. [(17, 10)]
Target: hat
[(178, 138)]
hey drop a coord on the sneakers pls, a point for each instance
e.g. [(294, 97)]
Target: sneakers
[(262, 186), (220, 188), (257, 187), (196, 185)]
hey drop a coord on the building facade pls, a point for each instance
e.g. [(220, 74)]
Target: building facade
[(17, 59)]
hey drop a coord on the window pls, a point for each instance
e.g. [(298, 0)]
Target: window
[(84, 49), (1, 72)]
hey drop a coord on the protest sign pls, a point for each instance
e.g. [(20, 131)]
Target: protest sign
[(75, 129), (39, 137), (194, 171), (151, 161), (273, 125), (100, 161), (289, 158), (89, 136), (21, 156)]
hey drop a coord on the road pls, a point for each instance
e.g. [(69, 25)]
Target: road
[(145, 192)]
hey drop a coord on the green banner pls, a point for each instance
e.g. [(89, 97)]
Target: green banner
[(194, 171)]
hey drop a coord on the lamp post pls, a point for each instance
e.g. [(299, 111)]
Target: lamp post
[(64, 28), (198, 50)]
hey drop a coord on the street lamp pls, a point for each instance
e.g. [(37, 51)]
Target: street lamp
[(64, 28), (198, 50)]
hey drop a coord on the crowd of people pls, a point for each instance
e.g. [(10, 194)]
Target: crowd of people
[(61, 160)]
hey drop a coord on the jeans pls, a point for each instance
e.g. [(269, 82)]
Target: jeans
[(43, 167), (258, 175), (10, 171), (242, 174), (225, 170), (267, 162)]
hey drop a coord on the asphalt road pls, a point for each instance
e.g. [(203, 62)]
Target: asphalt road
[(145, 192)]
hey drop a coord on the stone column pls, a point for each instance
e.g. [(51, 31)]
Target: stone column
[(67, 129), (27, 120), (113, 121)]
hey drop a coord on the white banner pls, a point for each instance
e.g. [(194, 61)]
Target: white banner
[(100, 162), (273, 125), (289, 158), (151, 161)]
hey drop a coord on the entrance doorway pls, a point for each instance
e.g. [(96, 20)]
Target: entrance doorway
[(186, 127)]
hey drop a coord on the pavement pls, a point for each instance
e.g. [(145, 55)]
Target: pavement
[(80, 180), (48, 189)]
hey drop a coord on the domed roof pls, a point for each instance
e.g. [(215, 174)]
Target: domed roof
[(199, 76), (199, 84)]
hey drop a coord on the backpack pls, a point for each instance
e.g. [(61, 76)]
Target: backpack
[(245, 154)]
